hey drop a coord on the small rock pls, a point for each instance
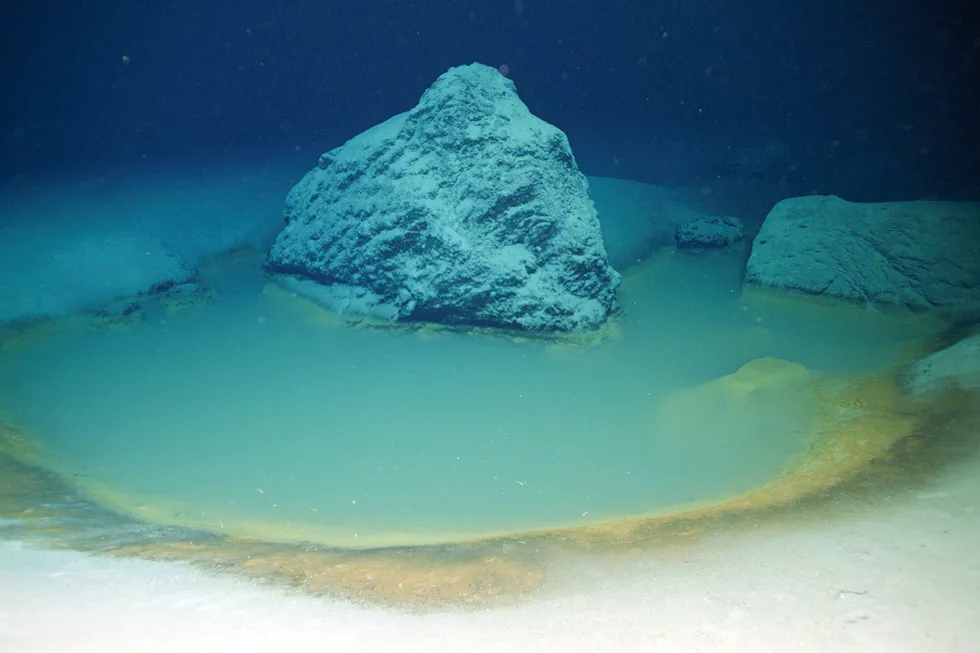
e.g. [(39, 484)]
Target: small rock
[(955, 366), (710, 233)]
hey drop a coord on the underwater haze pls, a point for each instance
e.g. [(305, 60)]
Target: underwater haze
[(183, 377), (869, 100)]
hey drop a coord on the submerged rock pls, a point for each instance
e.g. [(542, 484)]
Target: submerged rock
[(160, 300), (637, 219), (116, 314), (709, 233), (182, 295), (955, 366), (917, 255), (464, 210)]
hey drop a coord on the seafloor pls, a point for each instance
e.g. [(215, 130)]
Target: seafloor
[(864, 540)]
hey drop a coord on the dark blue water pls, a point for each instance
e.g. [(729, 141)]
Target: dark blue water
[(868, 99)]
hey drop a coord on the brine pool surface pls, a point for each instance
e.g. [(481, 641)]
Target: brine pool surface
[(258, 415)]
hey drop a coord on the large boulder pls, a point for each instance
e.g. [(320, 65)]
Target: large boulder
[(464, 210), (917, 255)]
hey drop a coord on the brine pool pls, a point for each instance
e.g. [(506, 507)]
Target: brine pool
[(260, 415)]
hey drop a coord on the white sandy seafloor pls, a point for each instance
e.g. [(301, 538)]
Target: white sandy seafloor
[(895, 574)]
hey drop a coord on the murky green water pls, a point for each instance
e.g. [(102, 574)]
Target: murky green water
[(249, 417)]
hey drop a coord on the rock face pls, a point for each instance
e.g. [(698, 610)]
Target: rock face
[(710, 233), (464, 210), (917, 255)]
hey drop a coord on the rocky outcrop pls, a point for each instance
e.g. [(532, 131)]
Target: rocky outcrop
[(956, 366), (921, 256), (710, 233), (464, 210)]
